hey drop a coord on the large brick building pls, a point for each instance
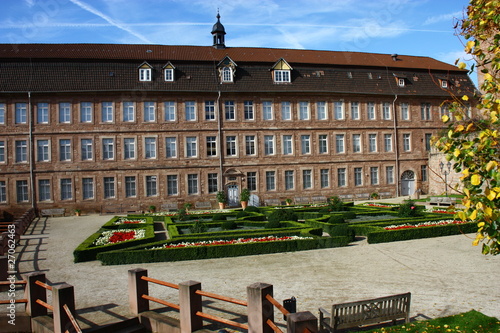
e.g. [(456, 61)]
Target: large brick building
[(87, 125)]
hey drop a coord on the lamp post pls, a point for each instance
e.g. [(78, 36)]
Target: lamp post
[(446, 172)]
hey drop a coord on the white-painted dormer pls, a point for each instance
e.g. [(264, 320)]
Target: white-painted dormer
[(227, 70), (282, 72), (145, 72), (169, 72)]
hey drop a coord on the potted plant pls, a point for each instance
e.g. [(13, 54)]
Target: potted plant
[(78, 212), (244, 197), (288, 201), (374, 196), (188, 206), (221, 199), (152, 209)]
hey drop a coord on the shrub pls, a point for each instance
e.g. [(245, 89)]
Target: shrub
[(198, 227), (408, 209), (349, 215), (335, 204), (182, 214), (273, 224), (252, 209), (229, 225), (336, 219), (241, 214), (219, 217), (282, 215)]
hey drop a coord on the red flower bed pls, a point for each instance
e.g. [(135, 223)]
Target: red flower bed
[(119, 236)]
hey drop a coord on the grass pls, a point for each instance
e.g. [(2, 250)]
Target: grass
[(471, 321)]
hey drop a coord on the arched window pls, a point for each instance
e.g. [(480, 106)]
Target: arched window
[(227, 74)]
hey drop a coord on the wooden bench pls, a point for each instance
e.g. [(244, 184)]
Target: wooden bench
[(272, 202), (346, 196), (363, 196), (53, 212), (319, 199), (385, 194), (367, 312), (203, 205), (442, 201), (302, 200), (169, 206)]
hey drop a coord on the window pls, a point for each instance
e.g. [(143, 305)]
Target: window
[(66, 189), (267, 110), (405, 114), (107, 112), (338, 109), (389, 175), (303, 110), (428, 138), (321, 110), (130, 187), (20, 113), (22, 191), (2, 151), (108, 149), (374, 175), (370, 109), (191, 144), (270, 180), (339, 143), (169, 74), (231, 146), (128, 112), (355, 110), (171, 147), (289, 181), (213, 184), (85, 112), (227, 74), (445, 110), (281, 76), (229, 110), (65, 113), (3, 191), (388, 142), (65, 150), (268, 144), (444, 84), (406, 142), (172, 188), (144, 74), (305, 144), (401, 82), (169, 110), (425, 111), (252, 181), (211, 146), (192, 184), (286, 111), (2, 113), (209, 110), (323, 143), (42, 151), (248, 112), (21, 151), (356, 143), (150, 148), (325, 178), (341, 177), (109, 187), (358, 176), (149, 112), (190, 110), (250, 144), (88, 188), (372, 143), (44, 190), (86, 149), (423, 173), (42, 113), (151, 186), (386, 111), (129, 148), (306, 179), (287, 145)]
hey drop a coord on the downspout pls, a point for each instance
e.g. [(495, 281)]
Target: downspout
[(396, 144), (31, 153), (219, 128)]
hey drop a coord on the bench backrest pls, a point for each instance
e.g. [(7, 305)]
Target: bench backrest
[(371, 311)]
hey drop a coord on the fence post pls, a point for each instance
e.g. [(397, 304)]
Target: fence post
[(190, 303), (136, 288), (34, 292), (259, 308), (62, 294), (298, 322)]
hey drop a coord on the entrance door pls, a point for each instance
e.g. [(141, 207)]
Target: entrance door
[(233, 198), (407, 183)]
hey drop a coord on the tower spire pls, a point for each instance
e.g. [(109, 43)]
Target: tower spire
[(218, 33)]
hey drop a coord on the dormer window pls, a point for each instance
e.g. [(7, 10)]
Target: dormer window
[(227, 74), (401, 82), (444, 84), (168, 71), (227, 70), (282, 71), (145, 72)]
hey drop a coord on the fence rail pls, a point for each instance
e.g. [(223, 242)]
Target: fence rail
[(273, 326), (160, 282), (221, 320), (222, 298), (162, 302)]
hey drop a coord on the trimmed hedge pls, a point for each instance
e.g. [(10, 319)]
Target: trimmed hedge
[(111, 223)]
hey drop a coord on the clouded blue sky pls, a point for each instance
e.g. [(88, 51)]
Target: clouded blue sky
[(411, 27)]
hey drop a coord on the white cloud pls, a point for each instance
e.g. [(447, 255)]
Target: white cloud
[(443, 18)]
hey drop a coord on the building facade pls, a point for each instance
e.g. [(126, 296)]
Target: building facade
[(91, 125)]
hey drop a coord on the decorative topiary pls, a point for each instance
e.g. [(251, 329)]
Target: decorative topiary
[(279, 215), (219, 217), (336, 219), (335, 204), (198, 227), (408, 209), (229, 225), (252, 209), (241, 214), (182, 214)]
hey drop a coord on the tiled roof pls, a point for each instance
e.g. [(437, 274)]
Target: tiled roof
[(208, 53)]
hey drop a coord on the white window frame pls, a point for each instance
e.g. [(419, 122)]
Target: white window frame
[(209, 110), (227, 74), (388, 143), (229, 110), (20, 116), (282, 76), (108, 149), (170, 112), (269, 145), (355, 110), (358, 176), (42, 113), (374, 177), (109, 187), (289, 180), (128, 112), (86, 110), (386, 111), (169, 74), (151, 185), (305, 144), (149, 112), (286, 110), (250, 145), (193, 184), (324, 178), (340, 143), (87, 188), (323, 144), (211, 145), (191, 147), (287, 145), (64, 150), (321, 110), (150, 148), (267, 110), (144, 74), (172, 185), (129, 148), (107, 112), (231, 145), (86, 149), (270, 180), (338, 110), (307, 176), (66, 188), (171, 147), (356, 143), (341, 177), (405, 111), (64, 113), (304, 111), (43, 150), (190, 110), (248, 110), (406, 142), (130, 186), (372, 143), (21, 150), (371, 111)]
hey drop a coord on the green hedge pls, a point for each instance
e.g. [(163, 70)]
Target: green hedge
[(111, 223), (422, 232), (217, 251), (88, 252)]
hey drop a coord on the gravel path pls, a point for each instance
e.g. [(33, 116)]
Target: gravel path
[(443, 274)]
